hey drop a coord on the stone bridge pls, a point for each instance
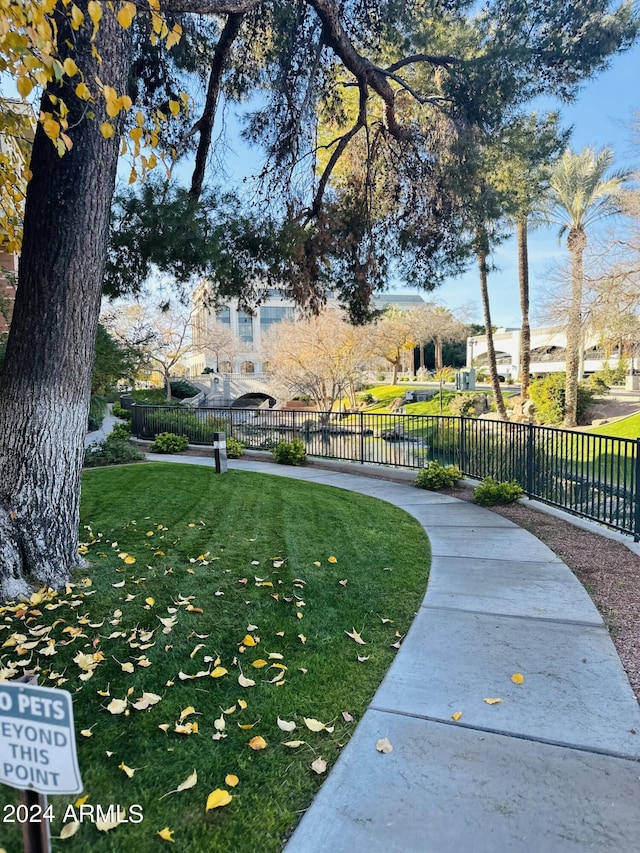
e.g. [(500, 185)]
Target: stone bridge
[(233, 389)]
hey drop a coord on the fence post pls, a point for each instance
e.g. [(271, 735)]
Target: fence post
[(531, 446), (636, 520), (361, 414), (462, 444)]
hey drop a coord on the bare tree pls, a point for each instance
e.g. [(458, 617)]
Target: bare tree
[(163, 337), (323, 357)]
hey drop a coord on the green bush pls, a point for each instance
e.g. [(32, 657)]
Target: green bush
[(120, 432), (290, 452), (112, 451), (119, 412), (547, 395), (182, 390), (609, 376), (150, 396), (235, 448), (169, 442), (435, 476), (490, 492), (198, 427)]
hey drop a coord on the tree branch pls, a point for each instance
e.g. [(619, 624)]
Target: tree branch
[(205, 124)]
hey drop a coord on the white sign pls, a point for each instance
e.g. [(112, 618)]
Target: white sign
[(37, 739)]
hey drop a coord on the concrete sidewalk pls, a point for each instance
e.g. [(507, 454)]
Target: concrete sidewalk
[(552, 767)]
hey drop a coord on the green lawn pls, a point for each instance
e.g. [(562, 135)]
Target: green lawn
[(241, 568), (626, 428)]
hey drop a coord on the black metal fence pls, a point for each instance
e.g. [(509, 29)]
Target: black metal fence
[(594, 476)]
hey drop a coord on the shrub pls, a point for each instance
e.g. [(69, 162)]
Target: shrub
[(368, 398), (290, 452), (463, 405), (119, 412), (120, 432), (548, 396), (182, 390), (112, 451), (235, 448), (198, 426), (169, 442), (490, 492), (150, 396), (435, 476)]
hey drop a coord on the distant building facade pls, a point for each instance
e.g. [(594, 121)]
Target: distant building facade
[(548, 352), (249, 330)]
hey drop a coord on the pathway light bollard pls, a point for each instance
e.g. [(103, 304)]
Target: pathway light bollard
[(220, 451)]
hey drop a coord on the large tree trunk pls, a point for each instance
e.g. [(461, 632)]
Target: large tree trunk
[(576, 244), (46, 381), (525, 334), (491, 351)]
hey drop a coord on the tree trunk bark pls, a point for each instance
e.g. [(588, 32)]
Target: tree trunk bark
[(525, 334), (438, 353), (576, 244), (46, 382), (491, 351)]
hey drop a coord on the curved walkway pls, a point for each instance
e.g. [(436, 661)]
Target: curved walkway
[(551, 767)]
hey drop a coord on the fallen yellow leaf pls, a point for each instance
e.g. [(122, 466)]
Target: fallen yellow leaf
[(332, 559), (231, 780), (492, 701), (130, 771), (166, 834), (319, 765), (258, 742), (456, 716), (218, 798), (517, 678)]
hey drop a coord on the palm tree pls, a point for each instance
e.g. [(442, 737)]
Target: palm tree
[(581, 192)]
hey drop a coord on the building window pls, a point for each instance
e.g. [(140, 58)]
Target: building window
[(273, 314), (245, 327), (224, 315), (247, 367), (225, 367)]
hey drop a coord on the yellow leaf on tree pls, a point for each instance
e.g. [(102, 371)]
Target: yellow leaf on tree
[(517, 678), (70, 67), (83, 92), (95, 12), (257, 743), (126, 14), (76, 17), (166, 834), (24, 86), (52, 128), (174, 107), (218, 798)]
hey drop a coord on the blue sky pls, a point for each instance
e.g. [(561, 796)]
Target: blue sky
[(602, 114)]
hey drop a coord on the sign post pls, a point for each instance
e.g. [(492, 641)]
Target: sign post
[(37, 753)]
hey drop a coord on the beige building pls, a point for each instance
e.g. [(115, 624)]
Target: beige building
[(249, 330)]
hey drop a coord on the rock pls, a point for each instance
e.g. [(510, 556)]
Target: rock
[(600, 422)]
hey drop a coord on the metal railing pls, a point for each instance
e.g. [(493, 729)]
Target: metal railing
[(590, 475)]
